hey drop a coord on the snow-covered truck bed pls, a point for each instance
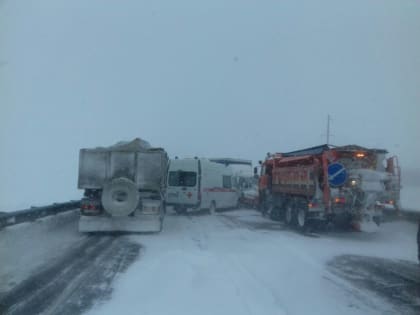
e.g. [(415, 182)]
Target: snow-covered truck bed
[(124, 187)]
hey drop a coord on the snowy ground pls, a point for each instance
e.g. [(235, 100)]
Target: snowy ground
[(48, 267), (235, 262), (28, 246), (240, 263)]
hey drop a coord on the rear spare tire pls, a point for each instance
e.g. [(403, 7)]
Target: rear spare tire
[(120, 197)]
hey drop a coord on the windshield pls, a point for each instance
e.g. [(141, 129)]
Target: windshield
[(184, 179)]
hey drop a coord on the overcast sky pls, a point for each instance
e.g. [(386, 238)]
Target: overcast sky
[(208, 78)]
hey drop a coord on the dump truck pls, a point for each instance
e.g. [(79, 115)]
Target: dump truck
[(124, 187), (345, 185)]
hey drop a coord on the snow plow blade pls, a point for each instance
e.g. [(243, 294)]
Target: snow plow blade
[(139, 223)]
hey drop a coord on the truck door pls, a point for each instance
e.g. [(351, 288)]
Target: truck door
[(262, 181)]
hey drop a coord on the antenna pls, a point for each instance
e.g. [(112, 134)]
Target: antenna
[(328, 129)]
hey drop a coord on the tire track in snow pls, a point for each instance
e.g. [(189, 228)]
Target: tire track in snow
[(72, 283), (395, 280), (235, 222)]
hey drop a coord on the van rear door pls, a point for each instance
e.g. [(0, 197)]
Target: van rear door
[(183, 186)]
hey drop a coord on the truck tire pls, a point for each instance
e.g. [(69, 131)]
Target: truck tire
[(275, 214), (120, 197), (302, 219), (161, 225), (268, 205), (267, 208), (180, 209), (290, 214)]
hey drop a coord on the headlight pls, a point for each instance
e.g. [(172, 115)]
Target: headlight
[(353, 182)]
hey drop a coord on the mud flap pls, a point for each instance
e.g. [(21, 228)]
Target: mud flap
[(138, 223)]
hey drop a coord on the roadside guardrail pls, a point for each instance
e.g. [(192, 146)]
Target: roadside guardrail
[(403, 214), (28, 215), (411, 215)]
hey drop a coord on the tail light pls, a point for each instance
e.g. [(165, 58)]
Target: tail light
[(313, 205), (341, 200), (89, 209)]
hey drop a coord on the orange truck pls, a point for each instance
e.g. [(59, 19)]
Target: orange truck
[(347, 185)]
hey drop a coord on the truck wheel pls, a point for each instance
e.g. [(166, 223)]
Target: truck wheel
[(290, 214), (267, 208), (268, 205), (302, 219), (180, 210), (275, 214), (160, 224), (213, 207), (120, 197)]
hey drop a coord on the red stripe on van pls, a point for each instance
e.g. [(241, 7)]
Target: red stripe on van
[(219, 189)]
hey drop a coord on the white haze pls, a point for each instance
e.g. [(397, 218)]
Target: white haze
[(215, 78)]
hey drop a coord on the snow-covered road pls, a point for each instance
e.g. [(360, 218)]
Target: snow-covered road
[(47, 267), (240, 263), (234, 262)]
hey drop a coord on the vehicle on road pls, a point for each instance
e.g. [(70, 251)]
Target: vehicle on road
[(249, 197), (196, 183), (244, 180), (124, 187), (344, 185)]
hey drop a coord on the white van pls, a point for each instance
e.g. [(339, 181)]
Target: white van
[(198, 184)]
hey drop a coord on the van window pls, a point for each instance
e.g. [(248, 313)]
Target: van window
[(227, 182), (185, 179)]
